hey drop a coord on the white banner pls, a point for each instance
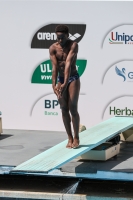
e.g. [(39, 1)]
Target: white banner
[(105, 61)]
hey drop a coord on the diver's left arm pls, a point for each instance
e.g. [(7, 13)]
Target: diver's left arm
[(72, 54)]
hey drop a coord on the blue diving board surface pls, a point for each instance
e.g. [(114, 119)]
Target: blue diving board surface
[(58, 155)]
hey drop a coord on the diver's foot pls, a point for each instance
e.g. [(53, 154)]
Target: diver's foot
[(69, 144), (75, 143)]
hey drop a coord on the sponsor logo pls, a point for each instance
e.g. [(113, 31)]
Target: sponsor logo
[(120, 35), (74, 37), (120, 112), (50, 113), (52, 36), (46, 35), (119, 106), (46, 105), (50, 104), (119, 72), (117, 38), (43, 72), (122, 74)]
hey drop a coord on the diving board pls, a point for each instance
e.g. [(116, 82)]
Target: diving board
[(89, 139)]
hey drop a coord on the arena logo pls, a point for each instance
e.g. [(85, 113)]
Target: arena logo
[(46, 36), (122, 73), (52, 36), (122, 34), (43, 72)]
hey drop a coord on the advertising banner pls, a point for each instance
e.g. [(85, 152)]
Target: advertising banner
[(104, 61)]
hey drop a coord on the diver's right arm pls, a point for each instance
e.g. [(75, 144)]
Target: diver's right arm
[(54, 69)]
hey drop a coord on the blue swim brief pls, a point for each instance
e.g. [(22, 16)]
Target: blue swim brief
[(71, 78)]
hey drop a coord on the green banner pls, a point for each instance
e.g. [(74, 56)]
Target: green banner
[(43, 73)]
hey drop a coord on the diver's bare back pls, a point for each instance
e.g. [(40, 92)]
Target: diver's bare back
[(61, 56)]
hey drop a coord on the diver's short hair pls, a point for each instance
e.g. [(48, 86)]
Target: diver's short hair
[(62, 28)]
